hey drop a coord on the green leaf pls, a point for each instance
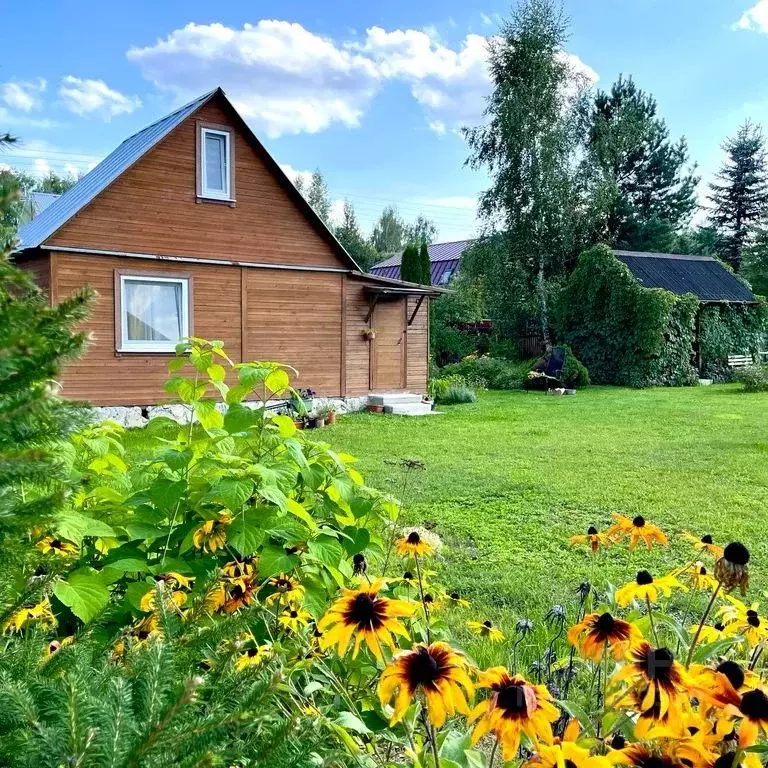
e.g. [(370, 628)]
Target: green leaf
[(358, 539), (285, 425), (126, 559), (277, 381), (166, 494), (351, 722), (208, 415), (245, 534), (135, 591), (231, 492), (315, 597), (275, 560), (216, 372), (327, 550), (144, 531), (275, 495), (239, 418), (74, 526), (299, 511), (374, 721), (176, 364), (84, 592)]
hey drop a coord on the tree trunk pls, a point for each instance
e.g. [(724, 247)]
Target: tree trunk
[(543, 307)]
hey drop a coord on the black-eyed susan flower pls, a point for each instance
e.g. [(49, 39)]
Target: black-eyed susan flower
[(657, 687), (566, 753), (54, 546), (703, 544), (740, 620), (287, 589), (56, 645), (294, 618), (212, 534), (239, 593), (592, 538), (637, 529), (697, 576), (732, 570), (645, 756), (366, 615), (359, 564), (645, 587), (487, 630), (253, 656), (236, 568), (709, 633), (455, 599), (515, 707), (415, 542), (600, 631), (39, 613), (145, 629), (438, 671), (159, 596)]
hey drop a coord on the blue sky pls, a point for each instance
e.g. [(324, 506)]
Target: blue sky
[(370, 93)]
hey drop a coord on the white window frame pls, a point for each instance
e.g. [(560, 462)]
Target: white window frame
[(136, 345), (216, 194)]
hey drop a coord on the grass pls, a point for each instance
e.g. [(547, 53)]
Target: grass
[(509, 478)]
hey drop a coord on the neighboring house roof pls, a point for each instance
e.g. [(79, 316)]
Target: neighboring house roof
[(56, 215), (703, 276), (443, 258), (34, 203)]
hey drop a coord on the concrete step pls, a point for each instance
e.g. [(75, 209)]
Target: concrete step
[(395, 398), (410, 409)]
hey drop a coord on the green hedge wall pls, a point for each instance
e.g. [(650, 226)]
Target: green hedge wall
[(624, 333), (731, 329)]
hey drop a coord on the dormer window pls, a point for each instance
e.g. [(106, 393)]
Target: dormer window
[(215, 177)]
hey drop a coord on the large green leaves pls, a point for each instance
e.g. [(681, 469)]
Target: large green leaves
[(85, 593), (75, 526), (246, 534)]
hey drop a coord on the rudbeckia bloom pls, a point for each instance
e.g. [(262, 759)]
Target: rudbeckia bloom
[(731, 569), (239, 593), (637, 529), (514, 707), (593, 538), (658, 687), (486, 629), (641, 756), (415, 543), (367, 615), (438, 671), (740, 620), (566, 753), (40, 613), (698, 577), (455, 598), (294, 618), (703, 543), (236, 568), (600, 631), (645, 587), (710, 633), (286, 588), (253, 656), (751, 706), (212, 534), (55, 546)]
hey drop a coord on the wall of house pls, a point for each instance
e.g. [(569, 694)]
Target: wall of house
[(38, 263), (417, 340), (358, 349), (152, 208)]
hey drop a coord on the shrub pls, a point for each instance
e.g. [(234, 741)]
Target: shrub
[(729, 329), (456, 395), (575, 374), (496, 373), (754, 378)]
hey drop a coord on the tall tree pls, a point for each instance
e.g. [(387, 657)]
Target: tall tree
[(318, 197), (425, 266), (349, 235), (740, 199), (528, 145), (410, 266), (389, 232), (55, 184), (755, 260), (640, 190), (422, 230)]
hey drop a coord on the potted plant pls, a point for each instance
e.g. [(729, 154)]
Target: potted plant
[(303, 400), (314, 421), (326, 412), (369, 334)]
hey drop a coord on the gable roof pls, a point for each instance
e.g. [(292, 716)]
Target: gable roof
[(61, 210), (443, 257), (703, 276)]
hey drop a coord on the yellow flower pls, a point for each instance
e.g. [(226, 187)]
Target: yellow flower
[(637, 529), (146, 629), (747, 622), (437, 670), (598, 632), (566, 752), (238, 594), (56, 645), (212, 534), (39, 613), (414, 544), (253, 656), (294, 618), (646, 587), (698, 577), (367, 615), (287, 590), (593, 538), (515, 707), (237, 568), (56, 546), (710, 633), (704, 543), (455, 599), (732, 569), (152, 600), (487, 630)]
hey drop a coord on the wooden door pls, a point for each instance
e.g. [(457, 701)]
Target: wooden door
[(389, 345)]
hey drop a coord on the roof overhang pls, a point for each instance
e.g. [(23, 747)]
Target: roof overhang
[(387, 286)]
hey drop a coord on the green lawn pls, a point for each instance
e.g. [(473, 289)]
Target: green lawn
[(512, 476)]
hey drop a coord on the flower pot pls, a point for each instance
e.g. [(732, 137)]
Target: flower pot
[(312, 422), (298, 423), (369, 335), (374, 408), (320, 422), (331, 418)]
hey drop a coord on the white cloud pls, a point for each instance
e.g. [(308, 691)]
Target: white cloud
[(25, 95), (10, 119), (282, 77), (38, 156), (293, 174), (94, 98), (755, 18), (41, 167), (337, 211), (486, 19)]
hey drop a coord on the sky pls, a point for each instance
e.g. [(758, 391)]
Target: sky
[(373, 94)]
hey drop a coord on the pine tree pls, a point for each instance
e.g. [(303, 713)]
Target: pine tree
[(349, 235), (425, 265), (410, 266), (741, 199), (35, 340), (319, 198)]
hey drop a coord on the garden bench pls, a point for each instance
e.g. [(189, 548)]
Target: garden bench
[(740, 361)]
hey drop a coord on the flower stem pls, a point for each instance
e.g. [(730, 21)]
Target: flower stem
[(605, 687), (701, 624), (421, 592), (493, 752), (650, 619), (433, 740)]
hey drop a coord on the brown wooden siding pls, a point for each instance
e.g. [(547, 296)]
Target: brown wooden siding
[(358, 374), (296, 318), (105, 377), (389, 345), (152, 208), (418, 345), (38, 264)]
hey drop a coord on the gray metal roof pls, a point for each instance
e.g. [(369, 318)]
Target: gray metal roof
[(703, 276), (443, 258), (61, 210)]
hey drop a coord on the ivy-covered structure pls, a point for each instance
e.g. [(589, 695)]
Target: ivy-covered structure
[(649, 319)]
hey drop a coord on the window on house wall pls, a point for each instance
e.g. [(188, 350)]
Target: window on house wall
[(154, 312), (215, 163)]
